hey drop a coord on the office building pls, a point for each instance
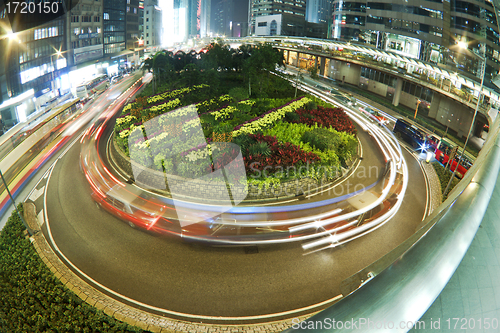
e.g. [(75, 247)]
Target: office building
[(85, 32), (230, 18), (152, 24), (114, 25), (444, 32), (319, 11), (132, 27), (35, 67), (293, 12), (291, 21)]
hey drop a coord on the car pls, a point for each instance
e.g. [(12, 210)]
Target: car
[(115, 78), (368, 110), (320, 87)]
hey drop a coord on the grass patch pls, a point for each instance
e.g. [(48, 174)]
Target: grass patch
[(444, 178), (33, 300)]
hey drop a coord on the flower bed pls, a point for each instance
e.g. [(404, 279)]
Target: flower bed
[(173, 94), (269, 118), (281, 155), (326, 117)]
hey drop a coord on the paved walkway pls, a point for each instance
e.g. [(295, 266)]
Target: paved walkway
[(473, 293)]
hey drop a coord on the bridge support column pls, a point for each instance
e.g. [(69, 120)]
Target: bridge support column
[(397, 92), (322, 62)]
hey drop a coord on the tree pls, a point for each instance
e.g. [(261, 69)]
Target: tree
[(190, 75), (313, 71)]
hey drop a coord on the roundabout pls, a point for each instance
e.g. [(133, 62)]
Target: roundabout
[(257, 281)]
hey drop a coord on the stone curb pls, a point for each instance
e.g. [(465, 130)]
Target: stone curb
[(123, 312)]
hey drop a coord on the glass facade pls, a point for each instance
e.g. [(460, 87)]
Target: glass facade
[(114, 25), (438, 26)]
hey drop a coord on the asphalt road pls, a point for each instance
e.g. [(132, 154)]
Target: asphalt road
[(195, 279)]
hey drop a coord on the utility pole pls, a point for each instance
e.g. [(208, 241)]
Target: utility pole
[(15, 206), (297, 81), (483, 68)]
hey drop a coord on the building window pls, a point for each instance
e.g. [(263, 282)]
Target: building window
[(135, 10), (97, 19), (106, 16), (128, 9), (147, 19), (76, 31), (262, 24)]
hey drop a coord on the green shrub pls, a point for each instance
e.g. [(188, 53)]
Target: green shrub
[(244, 141), (292, 117), (444, 177), (322, 139), (33, 300), (343, 144), (259, 148), (238, 93), (311, 106)]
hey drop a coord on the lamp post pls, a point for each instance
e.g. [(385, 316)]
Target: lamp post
[(53, 83), (416, 109), (483, 70)]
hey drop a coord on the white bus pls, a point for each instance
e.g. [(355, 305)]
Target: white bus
[(89, 88)]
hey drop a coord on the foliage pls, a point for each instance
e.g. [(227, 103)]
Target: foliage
[(282, 154), (344, 145), (327, 117), (33, 300), (444, 177), (293, 132), (238, 94), (313, 71), (259, 148), (269, 118)]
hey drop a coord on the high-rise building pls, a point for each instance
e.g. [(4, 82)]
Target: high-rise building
[(319, 11), (230, 18), (132, 27), (445, 32), (114, 26), (35, 66), (85, 32), (152, 26), (191, 18), (293, 14), (205, 11)]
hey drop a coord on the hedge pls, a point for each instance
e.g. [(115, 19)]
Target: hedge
[(33, 300)]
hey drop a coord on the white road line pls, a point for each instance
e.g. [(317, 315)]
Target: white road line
[(41, 218), (36, 193)]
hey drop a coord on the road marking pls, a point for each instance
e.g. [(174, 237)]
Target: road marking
[(36, 193), (40, 218), (426, 180)]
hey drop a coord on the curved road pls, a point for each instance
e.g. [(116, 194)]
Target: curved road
[(195, 279)]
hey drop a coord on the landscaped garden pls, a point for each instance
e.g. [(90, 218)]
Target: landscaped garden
[(227, 95)]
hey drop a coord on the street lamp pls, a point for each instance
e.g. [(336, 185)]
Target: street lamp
[(483, 70), (58, 54)]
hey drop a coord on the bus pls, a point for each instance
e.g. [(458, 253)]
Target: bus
[(89, 88), (411, 134), (444, 150)]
